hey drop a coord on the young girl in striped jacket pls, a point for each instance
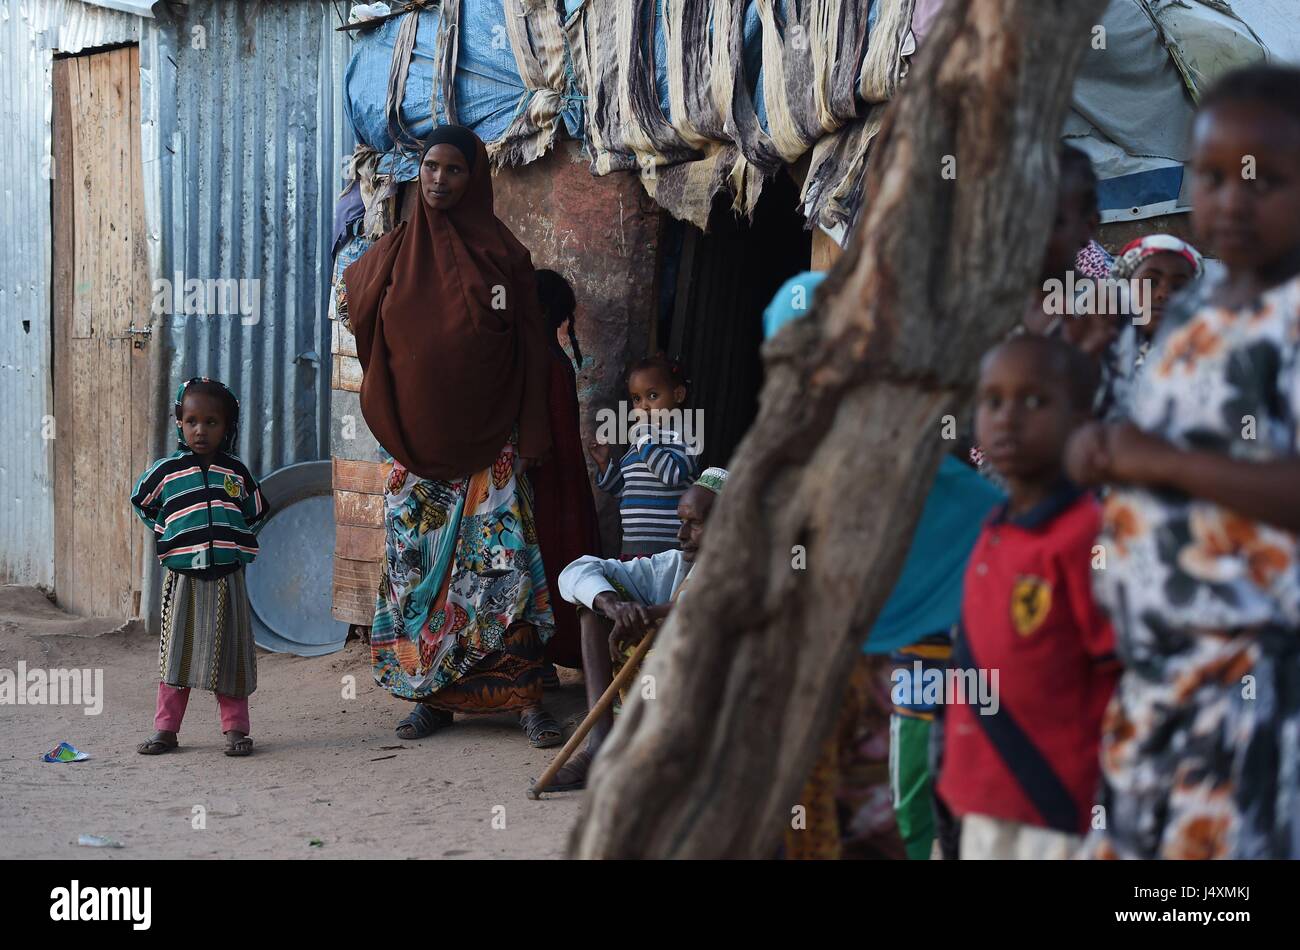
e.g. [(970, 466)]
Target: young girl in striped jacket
[(203, 507)]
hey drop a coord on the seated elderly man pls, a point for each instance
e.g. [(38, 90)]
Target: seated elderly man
[(624, 601)]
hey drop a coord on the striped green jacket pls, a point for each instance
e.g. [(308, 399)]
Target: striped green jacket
[(201, 519)]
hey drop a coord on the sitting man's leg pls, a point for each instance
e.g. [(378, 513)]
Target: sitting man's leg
[(598, 671)]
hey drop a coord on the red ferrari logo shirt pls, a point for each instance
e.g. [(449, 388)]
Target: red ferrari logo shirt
[(1028, 613)]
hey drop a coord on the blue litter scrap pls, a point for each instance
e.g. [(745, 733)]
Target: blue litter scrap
[(64, 752)]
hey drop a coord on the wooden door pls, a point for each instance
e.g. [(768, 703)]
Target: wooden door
[(101, 294)]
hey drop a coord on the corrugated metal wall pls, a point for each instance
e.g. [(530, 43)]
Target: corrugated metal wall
[(79, 26), (251, 137), (243, 134), (29, 32)]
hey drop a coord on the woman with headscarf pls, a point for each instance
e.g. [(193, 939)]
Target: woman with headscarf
[(1159, 266), (445, 312)]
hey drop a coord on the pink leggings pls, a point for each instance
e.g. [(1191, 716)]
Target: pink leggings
[(171, 710)]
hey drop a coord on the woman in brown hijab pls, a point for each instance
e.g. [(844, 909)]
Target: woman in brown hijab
[(445, 312)]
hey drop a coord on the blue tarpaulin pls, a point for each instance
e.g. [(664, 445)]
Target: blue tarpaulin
[(1137, 142), (488, 90), (753, 58), (489, 93)]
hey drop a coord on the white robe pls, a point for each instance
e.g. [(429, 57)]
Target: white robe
[(647, 580)]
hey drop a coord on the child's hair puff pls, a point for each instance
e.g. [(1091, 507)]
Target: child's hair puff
[(660, 361)]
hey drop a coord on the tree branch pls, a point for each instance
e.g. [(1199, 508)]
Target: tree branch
[(752, 664)]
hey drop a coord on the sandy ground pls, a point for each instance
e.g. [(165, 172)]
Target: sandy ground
[(325, 768)]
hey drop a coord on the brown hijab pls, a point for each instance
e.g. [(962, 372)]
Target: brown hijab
[(448, 376)]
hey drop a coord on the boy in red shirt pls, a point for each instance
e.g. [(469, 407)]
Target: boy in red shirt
[(1022, 771)]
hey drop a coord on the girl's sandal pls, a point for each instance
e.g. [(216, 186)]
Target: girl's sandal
[(157, 744), (238, 744), (542, 730), (423, 721)]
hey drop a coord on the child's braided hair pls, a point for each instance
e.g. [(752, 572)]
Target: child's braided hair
[(559, 303)]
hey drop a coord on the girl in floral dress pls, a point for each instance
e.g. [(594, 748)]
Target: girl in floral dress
[(1201, 744)]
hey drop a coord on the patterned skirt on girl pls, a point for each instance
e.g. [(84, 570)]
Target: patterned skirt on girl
[(463, 609), (207, 635)]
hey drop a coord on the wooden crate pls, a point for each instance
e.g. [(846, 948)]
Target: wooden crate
[(358, 489), (355, 586), (358, 538), (358, 480), (346, 373)]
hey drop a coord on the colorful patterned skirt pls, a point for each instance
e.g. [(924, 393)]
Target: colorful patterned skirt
[(1200, 750), (463, 609), (207, 635)]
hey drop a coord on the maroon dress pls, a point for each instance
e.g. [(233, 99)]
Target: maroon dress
[(564, 508)]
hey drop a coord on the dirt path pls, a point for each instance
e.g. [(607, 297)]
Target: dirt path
[(326, 768)]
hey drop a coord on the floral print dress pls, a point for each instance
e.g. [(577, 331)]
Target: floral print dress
[(463, 608), (1201, 743)]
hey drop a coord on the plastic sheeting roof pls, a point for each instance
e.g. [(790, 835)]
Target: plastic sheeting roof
[(1278, 24), (138, 7)]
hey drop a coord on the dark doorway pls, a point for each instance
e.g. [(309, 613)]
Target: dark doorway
[(724, 279)]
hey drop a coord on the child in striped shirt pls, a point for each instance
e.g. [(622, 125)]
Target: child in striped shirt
[(203, 507), (658, 465)]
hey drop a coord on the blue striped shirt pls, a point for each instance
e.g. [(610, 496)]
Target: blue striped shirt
[(649, 479)]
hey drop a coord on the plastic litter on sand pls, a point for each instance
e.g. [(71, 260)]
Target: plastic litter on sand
[(65, 752), (98, 841)]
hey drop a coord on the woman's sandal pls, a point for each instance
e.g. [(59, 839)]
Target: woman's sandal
[(542, 730), (572, 775), (238, 744), (157, 744), (423, 721)]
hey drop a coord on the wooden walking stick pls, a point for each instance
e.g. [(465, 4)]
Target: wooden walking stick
[(602, 706)]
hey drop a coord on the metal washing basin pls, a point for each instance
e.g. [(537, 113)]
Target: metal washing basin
[(289, 585)]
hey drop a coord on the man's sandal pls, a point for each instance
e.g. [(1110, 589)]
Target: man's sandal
[(423, 721), (157, 744), (238, 744), (542, 730)]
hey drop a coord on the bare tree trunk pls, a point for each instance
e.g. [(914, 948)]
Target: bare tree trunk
[(752, 665)]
